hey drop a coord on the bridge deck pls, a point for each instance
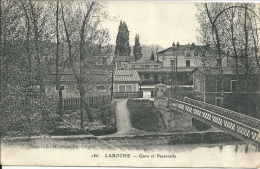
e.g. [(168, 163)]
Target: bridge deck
[(228, 122)]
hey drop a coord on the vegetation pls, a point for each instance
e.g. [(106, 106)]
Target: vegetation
[(231, 30), (122, 41), (19, 123), (145, 116), (137, 48), (40, 38)]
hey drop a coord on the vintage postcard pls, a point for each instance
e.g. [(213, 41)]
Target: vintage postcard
[(130, 84)]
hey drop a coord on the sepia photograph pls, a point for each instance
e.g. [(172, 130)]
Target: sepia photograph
[(129, 83)]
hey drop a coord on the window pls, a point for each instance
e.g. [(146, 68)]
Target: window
[(128, 88), (156, 66), (146, 76), (172, 62), (219, 101), (125, 88), (198, 85), (233, 85), (100, 87), (218, 86), (195, 84), (187, 63), (142, 66), (121, 88), (201, 86), (122, 63), (198, 97), (188, 55), (146, 66), (133, 66)]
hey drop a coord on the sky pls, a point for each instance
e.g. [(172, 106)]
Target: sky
[(159, 23)]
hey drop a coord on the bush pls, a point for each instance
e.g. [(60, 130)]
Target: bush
[(66, 131), (103, 131)]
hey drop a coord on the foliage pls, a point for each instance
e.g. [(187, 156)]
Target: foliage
[(33, 35), (122, 40), (137, 48), (145, 116)]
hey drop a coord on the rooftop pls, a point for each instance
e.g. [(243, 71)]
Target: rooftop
[(145, 61), (227, 70), (165, 70), (124, 58), (126, 76), (183, 48)]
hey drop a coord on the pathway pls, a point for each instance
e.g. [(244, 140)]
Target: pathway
[(123, 118)]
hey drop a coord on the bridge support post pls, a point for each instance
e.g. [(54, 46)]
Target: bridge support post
[(246, 148)]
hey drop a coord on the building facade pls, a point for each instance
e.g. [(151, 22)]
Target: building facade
[(241, 92)]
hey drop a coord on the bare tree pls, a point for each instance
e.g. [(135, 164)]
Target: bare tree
[(231, 28), (88, 35)]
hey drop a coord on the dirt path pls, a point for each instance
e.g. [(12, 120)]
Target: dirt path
[(123, 118)]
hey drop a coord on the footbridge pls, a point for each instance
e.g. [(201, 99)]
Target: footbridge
[(241, 126)]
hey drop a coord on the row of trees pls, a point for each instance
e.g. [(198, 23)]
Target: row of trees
[(122, 43), (232, 30), (38, 37)]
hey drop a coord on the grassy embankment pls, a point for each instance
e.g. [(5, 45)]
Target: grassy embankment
[(144, 116)]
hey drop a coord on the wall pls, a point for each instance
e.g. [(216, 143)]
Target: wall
[(134, 84), (181, 61), (142, 65), (120, 65), (245, 103), (211, 83)]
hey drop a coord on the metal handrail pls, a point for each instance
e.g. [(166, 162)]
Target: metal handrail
[(250, 121), (231, 126)]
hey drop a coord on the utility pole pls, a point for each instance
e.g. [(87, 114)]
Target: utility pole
[(172, 62), (1, 56), (176, 63), (112, 82)]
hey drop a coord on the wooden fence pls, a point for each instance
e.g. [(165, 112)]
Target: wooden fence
[(125, 95), (94, 101)]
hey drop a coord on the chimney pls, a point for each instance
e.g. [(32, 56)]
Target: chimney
[(193, 45), (178, 45)]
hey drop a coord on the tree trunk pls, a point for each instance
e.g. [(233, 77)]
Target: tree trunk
[(82, 107), (90, 117)]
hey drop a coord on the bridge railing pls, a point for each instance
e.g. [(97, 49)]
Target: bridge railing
[(231, 126), (249, 121)]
